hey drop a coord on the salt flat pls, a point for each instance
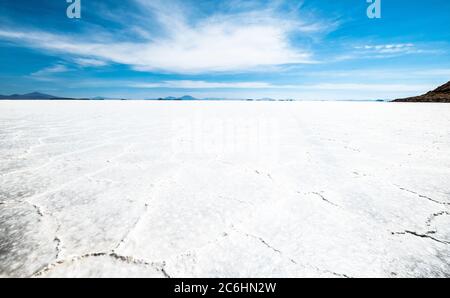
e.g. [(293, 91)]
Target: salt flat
[(224, 189)]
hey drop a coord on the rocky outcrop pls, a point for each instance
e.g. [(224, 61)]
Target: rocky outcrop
[(441, 94)]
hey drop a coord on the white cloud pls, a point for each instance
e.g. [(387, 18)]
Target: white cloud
[(185, 84), (59, 68), (400, 48), (387, 73), (369, 87), (233, 42), (88, 62)]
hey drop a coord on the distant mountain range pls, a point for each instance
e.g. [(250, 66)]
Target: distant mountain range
[(33, 95), (43, 96), (186, 97), (441, 94)]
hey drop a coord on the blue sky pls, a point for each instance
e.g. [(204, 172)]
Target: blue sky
[(310, 49)]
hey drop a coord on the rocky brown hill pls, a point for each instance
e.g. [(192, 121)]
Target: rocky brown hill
[(441, 94)]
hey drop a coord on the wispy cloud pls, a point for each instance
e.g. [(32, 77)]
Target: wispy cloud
[(45, 72), (369, 87), (214, 43), (185, 84), (390, 50), (88, 62), (382, 74)]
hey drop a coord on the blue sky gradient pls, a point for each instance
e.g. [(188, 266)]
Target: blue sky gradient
[(327, 49)]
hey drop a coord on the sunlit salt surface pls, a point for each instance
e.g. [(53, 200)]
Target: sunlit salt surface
[(224, 189)]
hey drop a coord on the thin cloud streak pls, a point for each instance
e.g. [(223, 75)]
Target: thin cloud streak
[(59, 68), (183, 84)]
